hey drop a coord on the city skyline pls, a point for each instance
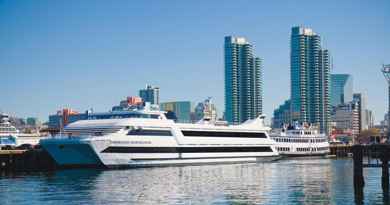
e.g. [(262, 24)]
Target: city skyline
[(79, 67)]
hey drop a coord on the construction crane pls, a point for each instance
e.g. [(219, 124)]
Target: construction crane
[(386, 73)]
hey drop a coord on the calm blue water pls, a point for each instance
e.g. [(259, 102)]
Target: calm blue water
[(302, 181)]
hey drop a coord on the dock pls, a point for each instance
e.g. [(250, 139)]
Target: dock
[(340, 150), (377, 155), (26, 160)]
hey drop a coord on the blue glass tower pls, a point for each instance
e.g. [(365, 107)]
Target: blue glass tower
[(310, 78), (342, 89), (243, 81)]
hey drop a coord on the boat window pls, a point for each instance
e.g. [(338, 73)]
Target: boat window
[(224, 134), (121, 115), (150, 132), (184, 149)]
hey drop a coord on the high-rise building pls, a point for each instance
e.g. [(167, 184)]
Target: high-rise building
[(345, 118), (181, 109), (342, 89), (361, 100), (243, 81), (282, 115), (150, 94), (370, 119), (310, 78)]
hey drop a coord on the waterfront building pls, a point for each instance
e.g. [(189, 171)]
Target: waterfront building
[(150, 94), (130, 102), (310, 78), (282, 115), (342, 89), (64, 117), (181, 109), (206, 110), (243, 81), (345, 118), (361, 100)]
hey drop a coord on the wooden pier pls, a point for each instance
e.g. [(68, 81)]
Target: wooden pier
[(377, 155), (340, 150)]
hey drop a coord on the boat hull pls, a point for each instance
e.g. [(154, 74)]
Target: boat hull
[(194, 162), (91, 153), (71, 153), (304, 154)]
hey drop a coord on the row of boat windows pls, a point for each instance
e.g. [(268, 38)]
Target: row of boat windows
[(308, 149), (183, 150), (283, 149), (298, 133), (197, 133), (11, 129), (119, 116), (299, 140), (150, 132)]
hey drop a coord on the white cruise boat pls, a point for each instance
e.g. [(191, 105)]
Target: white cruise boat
[(297, 140), (147, 138), (8, 133)]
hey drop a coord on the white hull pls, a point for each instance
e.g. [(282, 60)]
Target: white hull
[(80, 152)]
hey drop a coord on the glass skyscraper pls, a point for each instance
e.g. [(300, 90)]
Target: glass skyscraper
[(243, 81), (342, 89), (150, 94), (310, 78)]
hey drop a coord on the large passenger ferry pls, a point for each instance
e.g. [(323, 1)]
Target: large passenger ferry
[(300, 140), (147, 138)]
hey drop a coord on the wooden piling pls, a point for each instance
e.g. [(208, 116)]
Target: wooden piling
[(358, 165), (385, 172), (358, 178)]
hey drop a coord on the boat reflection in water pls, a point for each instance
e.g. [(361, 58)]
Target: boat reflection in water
[(293, 181), (268, 183)]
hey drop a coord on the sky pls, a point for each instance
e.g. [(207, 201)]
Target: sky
[(92, 54)]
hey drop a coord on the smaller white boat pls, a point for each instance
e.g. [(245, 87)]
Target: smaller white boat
[(300, 140), (8, 133)]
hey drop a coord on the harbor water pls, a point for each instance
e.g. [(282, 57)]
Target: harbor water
[(292, 181)]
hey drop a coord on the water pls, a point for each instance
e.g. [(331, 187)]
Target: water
[(293, 181)]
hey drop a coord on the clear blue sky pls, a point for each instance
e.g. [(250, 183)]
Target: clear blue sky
[(84, 54)]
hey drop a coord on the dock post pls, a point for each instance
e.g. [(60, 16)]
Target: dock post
[(358, 178), (385, 173)]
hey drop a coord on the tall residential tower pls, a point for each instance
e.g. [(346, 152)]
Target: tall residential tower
[(243, 81), (310, 78)]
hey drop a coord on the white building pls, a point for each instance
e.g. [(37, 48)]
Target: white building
[(345, 117)]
